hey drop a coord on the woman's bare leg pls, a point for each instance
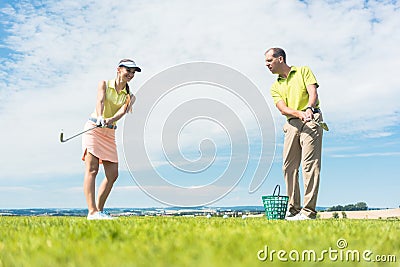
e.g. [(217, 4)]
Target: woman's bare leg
[(111, 171), (89, 186)]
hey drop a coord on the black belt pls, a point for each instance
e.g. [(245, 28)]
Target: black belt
[(105, 126), (316, 110)]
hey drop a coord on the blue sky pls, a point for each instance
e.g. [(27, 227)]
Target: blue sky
[(54, 54)]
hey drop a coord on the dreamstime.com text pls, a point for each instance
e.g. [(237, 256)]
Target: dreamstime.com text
[(340, 253)]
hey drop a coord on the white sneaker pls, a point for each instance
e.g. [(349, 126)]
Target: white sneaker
[(298, 217), (99, 215), (289, 214)]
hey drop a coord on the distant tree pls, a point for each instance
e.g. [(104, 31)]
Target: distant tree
[(335, 208), (349, 207), (335, 215), (361, 206), (344, 215)]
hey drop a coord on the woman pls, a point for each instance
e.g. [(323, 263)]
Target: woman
[(114, 100)]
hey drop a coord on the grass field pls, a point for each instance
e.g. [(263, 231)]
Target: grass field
[(182, 241)]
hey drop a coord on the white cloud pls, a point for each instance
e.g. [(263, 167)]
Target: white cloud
[(64, 48)]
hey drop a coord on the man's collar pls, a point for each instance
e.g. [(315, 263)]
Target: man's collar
[(292, 69)]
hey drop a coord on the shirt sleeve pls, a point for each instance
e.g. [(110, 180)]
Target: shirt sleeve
[(308, 76), (276, 96)]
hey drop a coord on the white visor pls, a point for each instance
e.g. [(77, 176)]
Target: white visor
[(130, 64)]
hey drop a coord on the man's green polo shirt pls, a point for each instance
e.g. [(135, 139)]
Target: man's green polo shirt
[(292, 90)]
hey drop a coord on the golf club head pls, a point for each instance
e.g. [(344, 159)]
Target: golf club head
[(323, 125), (61, 137)]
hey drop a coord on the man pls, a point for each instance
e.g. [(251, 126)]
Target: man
[(295, 95)]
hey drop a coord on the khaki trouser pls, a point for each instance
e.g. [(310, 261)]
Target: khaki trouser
[(303, 144)]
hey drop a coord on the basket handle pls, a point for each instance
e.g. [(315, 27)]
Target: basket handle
[(279, 190)]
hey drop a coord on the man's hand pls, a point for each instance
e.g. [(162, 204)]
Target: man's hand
[(309, 115), (302, 115)]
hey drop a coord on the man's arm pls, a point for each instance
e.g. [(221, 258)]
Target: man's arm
[(312, 95), (312, 100), (285, 110)]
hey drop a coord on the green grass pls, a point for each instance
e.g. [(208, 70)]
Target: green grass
[(181, 241)]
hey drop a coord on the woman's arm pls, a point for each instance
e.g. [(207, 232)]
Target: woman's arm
[(132, 100), (101, 95), (122, 111)]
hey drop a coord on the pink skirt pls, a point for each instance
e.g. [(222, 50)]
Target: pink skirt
[(100, 142)]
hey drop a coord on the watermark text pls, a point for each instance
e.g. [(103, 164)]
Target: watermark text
[(338, 253)]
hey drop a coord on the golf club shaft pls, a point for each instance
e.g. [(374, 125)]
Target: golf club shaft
[(65, 140)]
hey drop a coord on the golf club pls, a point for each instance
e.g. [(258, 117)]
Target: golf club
[(323, 125), (62, 140)]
